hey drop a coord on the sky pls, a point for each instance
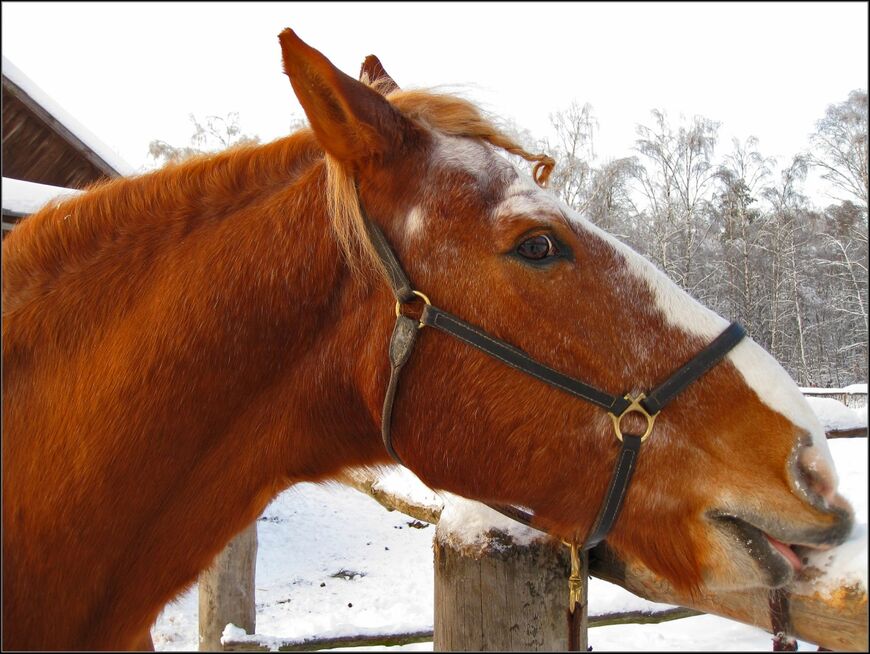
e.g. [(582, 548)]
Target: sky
[(133, 72)]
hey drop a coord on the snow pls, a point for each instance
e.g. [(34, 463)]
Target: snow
[(399, 481), (232, 632), (17, 77), (847, 564), (467, 523), (326, 556), (29, 197), (852, 388), (323, 547), (834, 415), (703, 633)]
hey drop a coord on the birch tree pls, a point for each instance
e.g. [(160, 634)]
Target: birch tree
[(839, 147), (676, 176)]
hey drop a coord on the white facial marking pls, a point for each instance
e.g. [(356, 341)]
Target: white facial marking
[(521, 205), (761, 372), (414, 222), (464, 153), (524, 197)]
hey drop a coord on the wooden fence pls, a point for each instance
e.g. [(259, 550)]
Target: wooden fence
[(852, 398), (524, 585)]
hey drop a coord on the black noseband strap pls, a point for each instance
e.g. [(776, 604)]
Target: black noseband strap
[(402, 345), (661, 396), (515, 357)]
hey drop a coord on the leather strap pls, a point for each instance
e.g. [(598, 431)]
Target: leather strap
[(402, 345), (399, 283), (622, 474), (657, 399), (516, 358)]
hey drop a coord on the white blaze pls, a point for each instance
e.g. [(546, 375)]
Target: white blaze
[(761, 372)]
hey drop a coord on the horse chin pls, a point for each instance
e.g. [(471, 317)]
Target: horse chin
[(748, 548), (748, 557)]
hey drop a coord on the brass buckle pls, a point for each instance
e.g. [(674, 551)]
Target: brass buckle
[(634, 407), (419, 295), (575, 581)]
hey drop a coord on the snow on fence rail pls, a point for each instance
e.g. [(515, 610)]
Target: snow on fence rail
[(853, 396), (828, 603), (477, 544)]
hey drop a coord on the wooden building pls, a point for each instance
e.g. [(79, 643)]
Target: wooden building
[(46, 151)]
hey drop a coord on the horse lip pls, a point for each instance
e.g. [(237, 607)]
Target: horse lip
[(819, 538), (756, 542)]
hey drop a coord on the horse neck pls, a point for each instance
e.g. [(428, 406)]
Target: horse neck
[(224, 379)]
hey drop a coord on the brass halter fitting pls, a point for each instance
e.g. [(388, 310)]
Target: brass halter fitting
[(634, 407), (420, 295), (575, 581)]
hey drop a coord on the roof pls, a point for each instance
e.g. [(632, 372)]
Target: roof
[(26, 198), (22, 198), (43, 143)]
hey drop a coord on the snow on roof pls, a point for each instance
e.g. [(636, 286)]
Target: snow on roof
[(112, 158), (25, 198)]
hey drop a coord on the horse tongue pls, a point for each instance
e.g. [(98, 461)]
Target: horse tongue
[(786, 551)]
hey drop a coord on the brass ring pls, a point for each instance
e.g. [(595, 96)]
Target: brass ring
[(418, 294), (634, 407)]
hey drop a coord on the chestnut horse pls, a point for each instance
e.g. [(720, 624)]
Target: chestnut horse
[(179, 347)]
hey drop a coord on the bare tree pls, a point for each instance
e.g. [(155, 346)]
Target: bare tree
[(217, 133), (736, 272), (575, 153), (839, 146), (784, 242), (842, 258), (609, 203), (676, 186)]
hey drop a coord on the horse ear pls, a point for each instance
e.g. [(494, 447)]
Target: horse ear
[(353, 122), (372, 73)]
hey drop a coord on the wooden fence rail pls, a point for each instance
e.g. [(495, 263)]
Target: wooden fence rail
[(851, 398), (525, 592), (510, 575)]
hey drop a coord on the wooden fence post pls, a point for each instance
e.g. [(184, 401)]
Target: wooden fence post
[(226, 590), (498, 586), (494, 592)]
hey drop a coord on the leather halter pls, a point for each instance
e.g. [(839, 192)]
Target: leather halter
[(402, 345)]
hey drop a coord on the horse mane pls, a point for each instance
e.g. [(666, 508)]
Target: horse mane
[(68, 234), (145, 211)]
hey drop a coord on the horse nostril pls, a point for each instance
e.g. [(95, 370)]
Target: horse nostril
[(814, 474)]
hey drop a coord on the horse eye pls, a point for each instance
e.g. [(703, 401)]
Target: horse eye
[(537, 248)]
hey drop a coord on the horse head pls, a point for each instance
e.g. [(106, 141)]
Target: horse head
[(736, 476)]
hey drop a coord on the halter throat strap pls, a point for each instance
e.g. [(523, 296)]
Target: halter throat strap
[(402, 345)]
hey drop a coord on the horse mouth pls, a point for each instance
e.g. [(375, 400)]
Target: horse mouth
[(780, 560)]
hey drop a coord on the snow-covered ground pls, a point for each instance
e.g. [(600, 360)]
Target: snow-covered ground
[(332, 561)]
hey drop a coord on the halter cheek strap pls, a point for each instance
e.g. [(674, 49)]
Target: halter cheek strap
[(402, 345)]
